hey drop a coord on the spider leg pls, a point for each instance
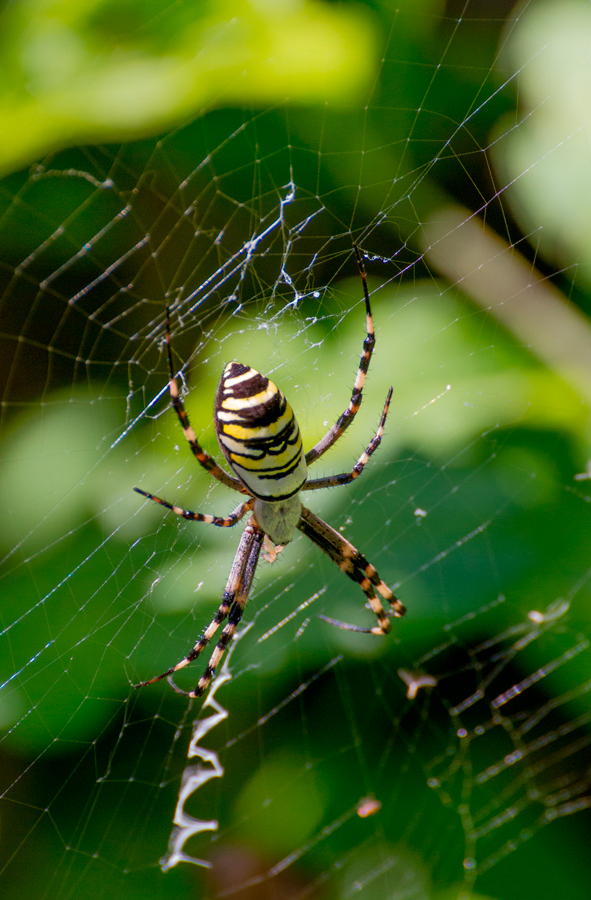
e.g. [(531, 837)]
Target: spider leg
[(222, 522), (349, 414), (203, 458), (232, 605), (353, 564), (335, 480)]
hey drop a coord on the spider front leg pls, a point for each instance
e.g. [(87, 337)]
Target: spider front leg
[(232, 606), (220, 521), (316, 484), (349, 414), (203, 458), (353, 564)]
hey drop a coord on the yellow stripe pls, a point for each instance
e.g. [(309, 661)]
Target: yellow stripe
[(261, 399), (252, 433), (246, 376)]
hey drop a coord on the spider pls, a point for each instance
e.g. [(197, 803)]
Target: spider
[(259, 437)]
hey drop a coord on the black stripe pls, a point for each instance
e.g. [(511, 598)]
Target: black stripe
[(267, 446), (280, 473), (263, 414), (254, 385)]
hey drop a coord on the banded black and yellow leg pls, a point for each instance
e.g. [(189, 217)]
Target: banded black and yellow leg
[(353, 564), (220, 521), (349, 414), (315, 484), (232, 605), (203, 458), (235, 597)]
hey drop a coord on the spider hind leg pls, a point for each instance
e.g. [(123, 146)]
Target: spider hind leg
[(356, 567), (232, 607)]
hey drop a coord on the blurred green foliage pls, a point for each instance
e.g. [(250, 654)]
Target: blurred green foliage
[(105, 71), (550, 51), (100, 590)]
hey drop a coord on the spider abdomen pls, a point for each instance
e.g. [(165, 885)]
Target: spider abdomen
[(259, 435)]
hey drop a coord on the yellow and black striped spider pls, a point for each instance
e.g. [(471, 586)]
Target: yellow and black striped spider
[(259, 436)]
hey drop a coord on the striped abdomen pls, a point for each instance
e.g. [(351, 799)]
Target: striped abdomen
[(258, 434)]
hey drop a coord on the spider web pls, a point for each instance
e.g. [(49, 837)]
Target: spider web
[(449, 758)]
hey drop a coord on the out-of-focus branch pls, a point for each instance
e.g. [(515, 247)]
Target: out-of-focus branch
[(496, 277)]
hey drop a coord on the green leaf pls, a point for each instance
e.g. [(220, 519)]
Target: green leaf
[(99, 71)]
